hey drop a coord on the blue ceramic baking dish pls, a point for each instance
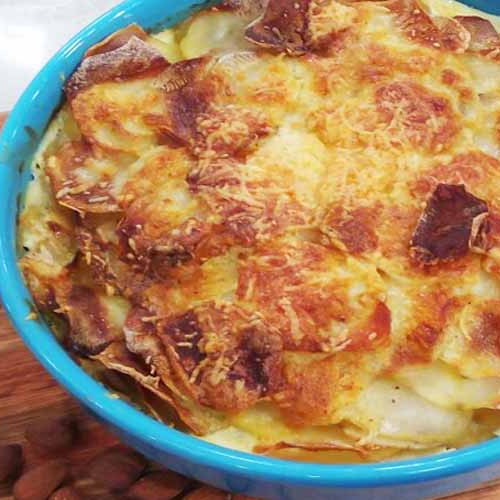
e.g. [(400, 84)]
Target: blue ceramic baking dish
[(240, 472)]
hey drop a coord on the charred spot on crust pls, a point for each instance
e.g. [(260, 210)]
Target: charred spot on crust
[(440, 33), (194, 118), (283, 27), (171, 258), (185, 106), (134, 59), (300, 26), (156, 253), (239, 223), (447, 224), (258, 363), (117, 40), (226, 361), (483, 35), (187, 95), (89, 333), (137, 321), (184, 334), (246, 370)]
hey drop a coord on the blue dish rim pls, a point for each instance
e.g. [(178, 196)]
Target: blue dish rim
[(37, 336)]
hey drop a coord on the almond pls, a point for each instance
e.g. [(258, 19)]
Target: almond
[(117, 469), (11, 461), (52, 434), (39, 482), (208, 493), (66, 493), (155, 485)]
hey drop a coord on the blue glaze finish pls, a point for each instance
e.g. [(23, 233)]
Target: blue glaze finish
[(491, 6), (255, 475)]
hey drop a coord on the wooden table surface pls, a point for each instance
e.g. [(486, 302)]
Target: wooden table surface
[(27, 393)]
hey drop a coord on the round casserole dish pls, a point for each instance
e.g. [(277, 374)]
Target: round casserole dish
[(251, 474)]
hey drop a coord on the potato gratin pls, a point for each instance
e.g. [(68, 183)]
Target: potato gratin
[(277, 225)]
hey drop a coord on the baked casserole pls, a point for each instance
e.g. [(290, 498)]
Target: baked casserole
[(277, 225)]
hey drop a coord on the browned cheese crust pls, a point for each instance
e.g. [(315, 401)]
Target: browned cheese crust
[(282, 224)]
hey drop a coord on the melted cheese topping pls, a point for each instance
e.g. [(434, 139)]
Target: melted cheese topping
[(230, 225)]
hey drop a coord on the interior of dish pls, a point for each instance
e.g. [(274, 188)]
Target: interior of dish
[(276, 225)]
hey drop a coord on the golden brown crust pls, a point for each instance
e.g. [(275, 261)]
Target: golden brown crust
[(433, 313), (472, 169), (309, 388), (250, 235), (134, 59), (374, 333), (187, 94), (248, 211), (117, 39), (316, 389), (229, 131), (194, 117), (427, 120), (119, 357), (277, 281), (437, 32), (77, 191), (485, 337), (228, 361), (484, 37), (217, 355), (352, 230)]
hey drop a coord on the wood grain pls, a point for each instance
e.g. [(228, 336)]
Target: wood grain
[(28, 393)]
